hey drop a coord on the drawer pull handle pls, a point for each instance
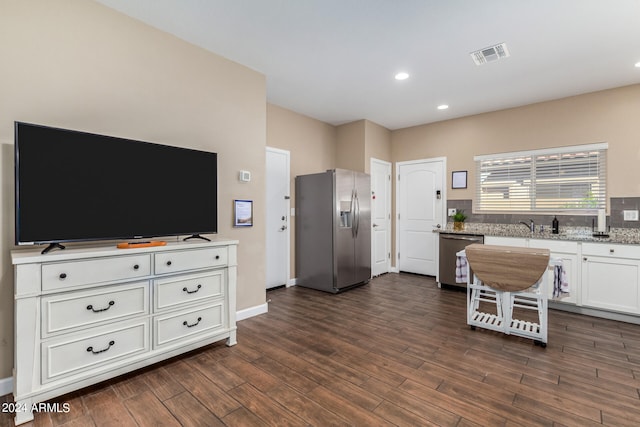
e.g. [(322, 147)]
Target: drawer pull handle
[(168, 263), (136, 267), (185, 323), (90, 349), (90, 307), (191, 292), (63, 276), (611, 251)]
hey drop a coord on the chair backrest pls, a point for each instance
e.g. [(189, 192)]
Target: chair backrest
[(507, 268)]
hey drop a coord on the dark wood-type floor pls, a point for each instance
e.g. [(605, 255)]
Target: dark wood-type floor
[(394, 352)]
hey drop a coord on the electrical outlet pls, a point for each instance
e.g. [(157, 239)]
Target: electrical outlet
[(631, 215), (451, 212)]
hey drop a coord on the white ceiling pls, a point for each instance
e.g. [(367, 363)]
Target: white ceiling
[(334, 60)]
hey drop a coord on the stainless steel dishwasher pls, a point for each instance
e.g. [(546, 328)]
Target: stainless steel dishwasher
[(450, 243)]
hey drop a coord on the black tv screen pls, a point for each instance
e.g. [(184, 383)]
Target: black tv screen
[(78, 186)]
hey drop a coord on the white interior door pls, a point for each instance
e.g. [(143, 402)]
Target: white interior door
[(277, 217), (420, 208), (380, 172)]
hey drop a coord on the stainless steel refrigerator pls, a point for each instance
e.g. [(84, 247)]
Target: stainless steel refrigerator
[(333, 230)]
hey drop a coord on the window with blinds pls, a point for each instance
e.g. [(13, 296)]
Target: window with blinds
[(564, 179)]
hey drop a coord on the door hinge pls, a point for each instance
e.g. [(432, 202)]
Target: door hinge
[(398, 177), (389, 255)]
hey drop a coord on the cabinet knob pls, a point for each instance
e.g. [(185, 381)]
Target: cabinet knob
[(136, 267), (584, 259), (217, 256), (168, 263), (63, 276), (611, 251)]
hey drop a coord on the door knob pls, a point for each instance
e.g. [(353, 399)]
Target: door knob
[(284, 227), (374, 225)]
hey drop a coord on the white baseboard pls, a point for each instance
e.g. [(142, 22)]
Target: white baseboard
[(252, 311), (6, 386), (394, 270), (292, 282)]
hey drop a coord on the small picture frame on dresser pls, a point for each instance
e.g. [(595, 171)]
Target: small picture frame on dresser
[(459, 179)]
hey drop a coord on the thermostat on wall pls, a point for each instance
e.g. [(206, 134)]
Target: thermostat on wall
[(244, 176)]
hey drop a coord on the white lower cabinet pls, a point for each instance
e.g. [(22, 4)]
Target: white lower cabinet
[(85, 315), (564, 250), (520, 242), (567, 252), (611, 277), (603, 276)]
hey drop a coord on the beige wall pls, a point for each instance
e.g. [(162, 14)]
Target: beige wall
[(606, 116), (316, 146), (377, 144), (350, 151), (77, 64), (359, 141), (312, 147)]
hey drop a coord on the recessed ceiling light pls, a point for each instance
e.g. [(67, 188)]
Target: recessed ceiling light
[(637, 64), (443, 107), (402, 76)]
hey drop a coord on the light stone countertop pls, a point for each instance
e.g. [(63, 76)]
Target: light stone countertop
[(629, 236)]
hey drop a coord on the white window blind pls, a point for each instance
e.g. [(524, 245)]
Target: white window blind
[(564, 179)]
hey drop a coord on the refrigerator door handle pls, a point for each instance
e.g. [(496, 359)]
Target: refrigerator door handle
[(357, 213), (352, 213)]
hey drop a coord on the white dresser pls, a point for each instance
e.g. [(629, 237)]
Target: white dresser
[(87, 314)]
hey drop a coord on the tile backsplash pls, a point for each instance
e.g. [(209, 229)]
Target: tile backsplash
[(615, 219)]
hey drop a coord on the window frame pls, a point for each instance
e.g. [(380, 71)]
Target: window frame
[(529, 159)]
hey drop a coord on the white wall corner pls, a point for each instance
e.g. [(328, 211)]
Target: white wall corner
[(252, 311), (292, 282), (6, 386)]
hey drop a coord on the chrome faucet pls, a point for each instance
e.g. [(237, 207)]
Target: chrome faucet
[(531, 226)]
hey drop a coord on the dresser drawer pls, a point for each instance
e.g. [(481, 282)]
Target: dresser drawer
[(170, 262), (187, 323), (81, 309), (62, 275), (66, 356), (193, 288)]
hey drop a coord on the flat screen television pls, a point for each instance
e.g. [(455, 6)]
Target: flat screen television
[(76, 186)]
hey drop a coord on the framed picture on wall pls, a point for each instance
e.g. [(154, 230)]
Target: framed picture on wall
[(459, 179), (243, 213)]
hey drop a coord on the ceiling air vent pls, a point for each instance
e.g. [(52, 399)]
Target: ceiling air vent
[(490, 54)]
